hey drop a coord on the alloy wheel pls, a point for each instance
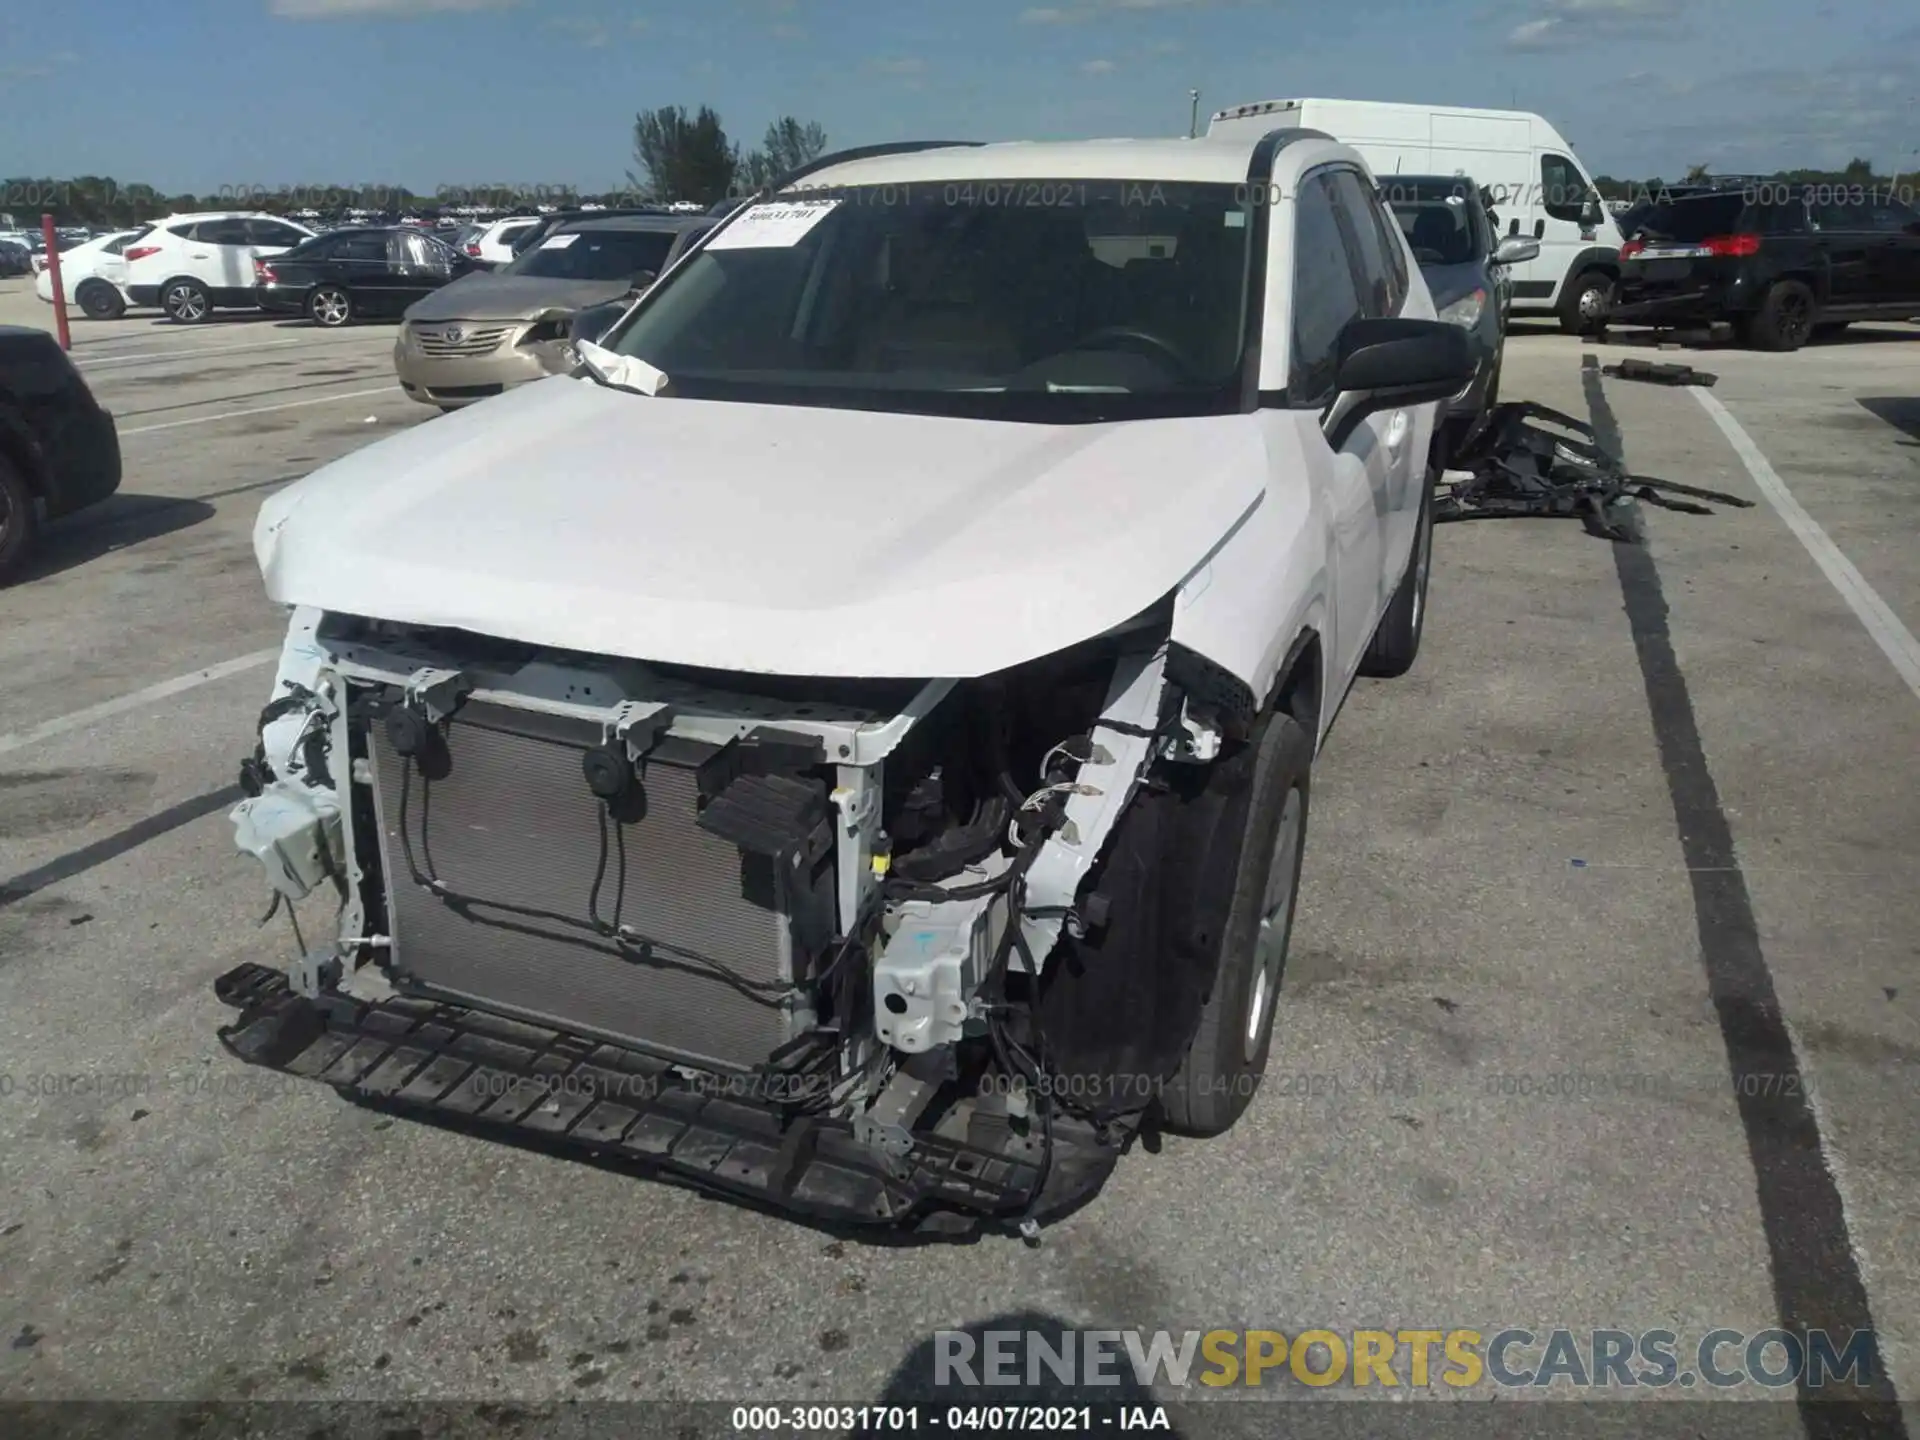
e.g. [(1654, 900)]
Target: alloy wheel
[(331, 307), (1796, 319), (1422, 565), (1276, 920), (184, 302)]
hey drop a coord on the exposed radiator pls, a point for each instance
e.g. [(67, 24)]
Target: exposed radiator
[(510, 820)]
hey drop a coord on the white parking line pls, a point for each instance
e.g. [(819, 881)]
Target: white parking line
[(1896, 642), (257, 410), (190, 352), (108, 708)]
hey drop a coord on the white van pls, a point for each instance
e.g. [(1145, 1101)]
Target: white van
[(1535, 183)]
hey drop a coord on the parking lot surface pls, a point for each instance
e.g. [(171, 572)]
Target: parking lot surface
[(1633, 813)]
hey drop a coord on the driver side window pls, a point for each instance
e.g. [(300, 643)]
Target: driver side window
[(1325, 297), (1563, 189)]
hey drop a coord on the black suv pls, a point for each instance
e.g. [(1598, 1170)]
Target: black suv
[(59, 451), (1778, 261)]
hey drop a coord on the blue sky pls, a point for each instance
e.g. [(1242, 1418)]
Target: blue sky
[(200, 94)]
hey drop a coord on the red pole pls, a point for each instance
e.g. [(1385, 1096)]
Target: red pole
[(53, 269)]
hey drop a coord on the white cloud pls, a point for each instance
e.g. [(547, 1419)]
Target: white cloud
[(1098, 67), (1079, 14), (906, 65), (591, 33), (348, 9), (1577, 22)]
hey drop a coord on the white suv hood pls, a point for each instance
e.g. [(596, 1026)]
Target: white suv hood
[(771, 538)]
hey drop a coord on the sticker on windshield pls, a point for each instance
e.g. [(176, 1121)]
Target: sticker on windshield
[(773, 226), (558, 242)]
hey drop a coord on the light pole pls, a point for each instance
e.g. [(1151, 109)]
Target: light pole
[(1193, 120)]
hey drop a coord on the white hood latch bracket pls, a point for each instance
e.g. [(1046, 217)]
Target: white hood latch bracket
[(437, 693), (638, 724)]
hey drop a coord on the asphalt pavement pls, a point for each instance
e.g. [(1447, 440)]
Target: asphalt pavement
[(1638, 823)]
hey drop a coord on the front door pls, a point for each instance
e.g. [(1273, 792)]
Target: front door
[(1357, 476), (1380, 267), (1848, 241), (1894, 263), (1566, 218)]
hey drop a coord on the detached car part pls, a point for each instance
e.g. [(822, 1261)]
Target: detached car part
[(1511, 468), (1658, 374)]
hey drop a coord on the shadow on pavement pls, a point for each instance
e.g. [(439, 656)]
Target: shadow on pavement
[(1900, 411), (113, 524)]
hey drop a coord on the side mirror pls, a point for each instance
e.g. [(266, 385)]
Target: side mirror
[(1516, 250), (642, 279), (1386, 364)]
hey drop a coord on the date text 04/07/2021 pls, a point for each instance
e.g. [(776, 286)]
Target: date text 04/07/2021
[(954, 1419)]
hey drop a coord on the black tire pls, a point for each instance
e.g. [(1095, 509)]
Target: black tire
[(330, 306), (100, 301), (19, 520), (1785, 319), (1396, 644), (1584, 306), (186, 302), (1224, 1064)]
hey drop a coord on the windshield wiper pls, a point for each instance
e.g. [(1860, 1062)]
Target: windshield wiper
[(620, 372)]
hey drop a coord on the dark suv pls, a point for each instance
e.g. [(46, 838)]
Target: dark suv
[(1467, 267), (59, 451), (1777, 261)]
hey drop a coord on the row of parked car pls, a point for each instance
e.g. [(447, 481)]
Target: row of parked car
[(24, 252)]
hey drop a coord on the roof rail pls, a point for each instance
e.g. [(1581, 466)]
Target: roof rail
[(861, 152), (1295, 132)]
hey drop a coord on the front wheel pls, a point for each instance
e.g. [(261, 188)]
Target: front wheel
[(1396, 644), (1224, 1063), (18, 520), (1785, 318), (1587, 301), (330, 307), (186, 302), (100, 301)]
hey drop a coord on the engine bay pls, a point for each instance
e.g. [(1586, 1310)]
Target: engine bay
[(866, 905)]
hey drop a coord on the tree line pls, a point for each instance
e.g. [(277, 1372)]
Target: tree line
[(677, 157), (1856, 172), (682, 157)]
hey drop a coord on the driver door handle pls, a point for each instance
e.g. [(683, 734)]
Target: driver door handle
[(1397, 432)]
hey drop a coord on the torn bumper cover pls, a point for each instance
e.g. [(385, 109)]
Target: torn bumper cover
[(547, 1087), (1510, 467)]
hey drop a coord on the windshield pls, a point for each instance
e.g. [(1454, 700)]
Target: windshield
[(1035, 299), (595, 255), (1437, 219)]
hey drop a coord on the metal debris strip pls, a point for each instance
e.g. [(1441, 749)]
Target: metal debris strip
[(1510, 467), (1659, 374)]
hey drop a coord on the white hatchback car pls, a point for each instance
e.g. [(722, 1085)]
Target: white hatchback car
[(192, 265), (91, 276), (493, 244)]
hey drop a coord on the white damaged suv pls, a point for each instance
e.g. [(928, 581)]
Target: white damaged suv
[(848, 743)]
